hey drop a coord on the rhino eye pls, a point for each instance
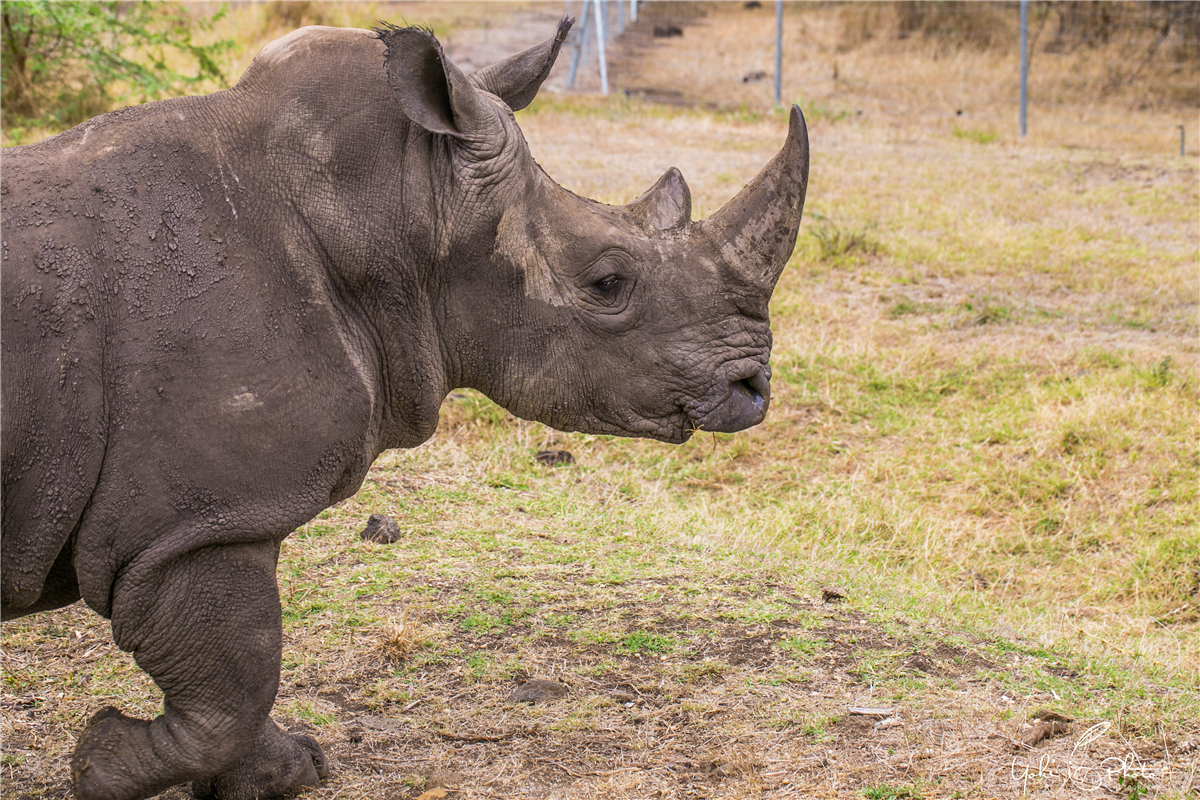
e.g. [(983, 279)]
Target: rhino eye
[(607, 283)]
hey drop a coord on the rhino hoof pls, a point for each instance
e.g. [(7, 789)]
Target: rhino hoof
[(108, 736), (280, 764), (380, 528)]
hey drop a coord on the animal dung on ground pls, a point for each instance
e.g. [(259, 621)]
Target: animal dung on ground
[(667, 31), (554, 458), (537, 691), (832, 594), (754, 77), (381, 529)]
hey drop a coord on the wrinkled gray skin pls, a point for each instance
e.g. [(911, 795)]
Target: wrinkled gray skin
[(217, 311)]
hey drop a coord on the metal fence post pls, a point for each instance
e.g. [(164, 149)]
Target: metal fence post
[(1182, 151), (580, 44), (632, 10), (601, 9), (1024, 61), (778, 50)]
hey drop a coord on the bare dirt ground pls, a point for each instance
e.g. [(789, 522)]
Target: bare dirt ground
[(688, 672), (691, 669)]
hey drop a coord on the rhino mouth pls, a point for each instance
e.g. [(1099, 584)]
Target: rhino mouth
[(739, 400), (736, 400)]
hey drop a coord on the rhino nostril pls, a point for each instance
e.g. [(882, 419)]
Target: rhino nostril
[(757, 387), (749, 389)]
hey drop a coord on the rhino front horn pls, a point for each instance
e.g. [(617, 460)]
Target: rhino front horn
[(756, 230)]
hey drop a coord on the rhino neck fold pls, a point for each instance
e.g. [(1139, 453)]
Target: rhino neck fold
[(485, 292), (382, 314)]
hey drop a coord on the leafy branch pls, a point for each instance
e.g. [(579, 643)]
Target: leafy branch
[(81, 58)]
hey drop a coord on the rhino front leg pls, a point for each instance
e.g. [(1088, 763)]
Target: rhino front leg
[(207, 629)]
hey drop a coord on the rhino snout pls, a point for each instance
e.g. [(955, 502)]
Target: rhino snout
[(742, 402)]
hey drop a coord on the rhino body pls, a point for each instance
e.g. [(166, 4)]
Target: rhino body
[(218, 311)]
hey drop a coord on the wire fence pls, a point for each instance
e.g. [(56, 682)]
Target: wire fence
[(1125, 46)]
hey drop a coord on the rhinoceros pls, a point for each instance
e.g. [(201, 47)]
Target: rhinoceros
[(219, 310)]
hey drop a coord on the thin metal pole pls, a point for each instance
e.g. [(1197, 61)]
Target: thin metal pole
[(1024, 62), (580, 45), (778, 50), (620, 17), (601, 9), (632, 10), (1181, 133)]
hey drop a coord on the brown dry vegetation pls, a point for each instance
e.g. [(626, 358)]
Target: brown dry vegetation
[(983, 433)]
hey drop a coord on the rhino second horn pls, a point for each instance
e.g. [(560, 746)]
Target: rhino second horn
[(756, 230), (665, 205)]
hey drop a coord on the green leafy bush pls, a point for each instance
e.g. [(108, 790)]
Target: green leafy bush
[(63, 62)]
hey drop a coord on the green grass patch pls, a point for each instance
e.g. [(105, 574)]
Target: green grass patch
[(887, 791), (982, 137), (803, 648), (642, 642), (840, 245)]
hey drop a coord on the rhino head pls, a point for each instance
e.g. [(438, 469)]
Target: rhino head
[(631, 320)]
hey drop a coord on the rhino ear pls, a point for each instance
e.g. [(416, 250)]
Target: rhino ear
[(665, 205), (516, 79), (432, 91)]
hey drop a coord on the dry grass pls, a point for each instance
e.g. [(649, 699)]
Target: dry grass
[(983, 432), (400, 639), (693, 669)]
